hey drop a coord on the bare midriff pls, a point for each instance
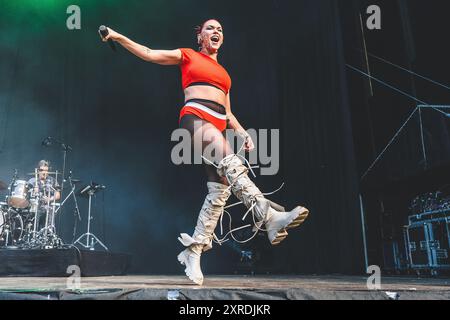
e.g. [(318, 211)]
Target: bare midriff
[(206, 93)]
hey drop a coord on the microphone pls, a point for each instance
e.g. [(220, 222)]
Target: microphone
[(97, 186), (103, 31), (47, 142), (50, 141)]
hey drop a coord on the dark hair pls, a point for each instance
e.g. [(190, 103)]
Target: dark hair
[(44, 163), (198, 29)]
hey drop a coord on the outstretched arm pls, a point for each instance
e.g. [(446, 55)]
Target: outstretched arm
[(234, 124), (163, 57)]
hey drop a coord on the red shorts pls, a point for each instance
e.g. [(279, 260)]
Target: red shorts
[(204, 113)]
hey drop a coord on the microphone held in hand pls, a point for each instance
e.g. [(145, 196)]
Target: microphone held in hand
[(103, 33)]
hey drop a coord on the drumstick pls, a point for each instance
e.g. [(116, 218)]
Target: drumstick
[(35, 179)]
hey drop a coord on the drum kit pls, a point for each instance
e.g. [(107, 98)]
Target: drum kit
[(25, 206), (27, 216)]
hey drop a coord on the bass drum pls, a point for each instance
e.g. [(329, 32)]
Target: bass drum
[(11, 228)]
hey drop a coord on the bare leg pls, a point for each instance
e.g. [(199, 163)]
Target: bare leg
[(211, 137), (208, 136)]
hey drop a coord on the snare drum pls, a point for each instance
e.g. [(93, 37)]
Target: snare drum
[(19, 197)]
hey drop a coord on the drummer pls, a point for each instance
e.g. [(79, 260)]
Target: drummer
[(46, 186)]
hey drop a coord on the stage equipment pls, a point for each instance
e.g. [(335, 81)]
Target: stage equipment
[(427, 236), (19, 194), (91, 239), (50, 141), (421, 106), (11, 227), (21, 212)]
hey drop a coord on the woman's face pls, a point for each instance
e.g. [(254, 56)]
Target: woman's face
[(211, 36)]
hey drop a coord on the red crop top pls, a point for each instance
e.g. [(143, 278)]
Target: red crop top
[(197, 68)]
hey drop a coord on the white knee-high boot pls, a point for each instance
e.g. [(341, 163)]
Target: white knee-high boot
[(202, 238), (276, 222)]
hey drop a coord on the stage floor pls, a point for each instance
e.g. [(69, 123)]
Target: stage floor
[(224, 288)]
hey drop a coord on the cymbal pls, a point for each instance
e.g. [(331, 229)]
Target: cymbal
[(3, 185), (51, 173)]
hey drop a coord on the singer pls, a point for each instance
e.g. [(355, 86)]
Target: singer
[(206, 86)]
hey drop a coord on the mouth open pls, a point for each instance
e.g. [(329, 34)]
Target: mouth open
[(215, 39)]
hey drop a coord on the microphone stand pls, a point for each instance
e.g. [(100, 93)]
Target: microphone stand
[(77, 210), (66, 148), (63, 180)]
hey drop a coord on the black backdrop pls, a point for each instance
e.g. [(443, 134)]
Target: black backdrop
[(117, 112), (411, 37)]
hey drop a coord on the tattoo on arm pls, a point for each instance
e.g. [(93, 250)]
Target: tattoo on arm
[(146, 52)]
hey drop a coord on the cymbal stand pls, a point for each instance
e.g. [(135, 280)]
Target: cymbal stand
[(49, 237)]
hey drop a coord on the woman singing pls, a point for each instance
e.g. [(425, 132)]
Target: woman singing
[(206, 114)]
